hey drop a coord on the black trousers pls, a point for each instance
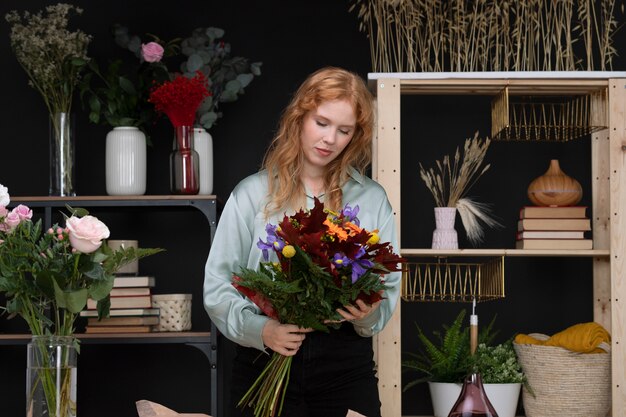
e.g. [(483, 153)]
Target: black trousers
[(331, 373)]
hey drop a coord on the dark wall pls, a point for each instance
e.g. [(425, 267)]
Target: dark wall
[(292, 39)]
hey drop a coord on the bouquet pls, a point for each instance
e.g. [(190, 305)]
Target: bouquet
[(47, 277), (325, 261), (56, 270)]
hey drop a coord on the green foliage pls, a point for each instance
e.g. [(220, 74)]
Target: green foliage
[(41, 272), (119, 95), (446, 358), (498, 364), (206, 51)]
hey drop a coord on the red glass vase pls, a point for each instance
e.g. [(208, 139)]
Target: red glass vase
[(473, 401), (184, 163)]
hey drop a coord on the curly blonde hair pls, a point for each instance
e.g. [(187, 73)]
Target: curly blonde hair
[(284, 158)]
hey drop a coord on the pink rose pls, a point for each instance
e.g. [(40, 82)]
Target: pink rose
[(151, 52), (23, 212), (11, 221), (3, 212), (86, 233)]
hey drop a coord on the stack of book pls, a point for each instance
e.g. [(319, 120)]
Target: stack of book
[(131, 308), (553, 228)]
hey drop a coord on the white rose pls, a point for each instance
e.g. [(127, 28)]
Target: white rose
[(4, 196), (86, 233)]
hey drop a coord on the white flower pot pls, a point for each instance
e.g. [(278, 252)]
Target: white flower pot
[(126, 161), (203, 145), (503, 397)]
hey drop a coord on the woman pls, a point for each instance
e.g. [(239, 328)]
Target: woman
[(321, 149)]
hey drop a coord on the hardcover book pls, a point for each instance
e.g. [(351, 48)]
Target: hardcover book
[(551, 234), (118, 329), (134, 291), (554, 244), (554, 224), (124, 282), (124, 321), (131, 301), (122, 312), (570, 212)]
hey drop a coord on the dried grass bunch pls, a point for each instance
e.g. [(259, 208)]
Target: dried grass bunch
[(451, 180), (489, 35)]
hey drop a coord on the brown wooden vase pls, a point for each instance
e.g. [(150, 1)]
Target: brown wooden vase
[(555, 188)]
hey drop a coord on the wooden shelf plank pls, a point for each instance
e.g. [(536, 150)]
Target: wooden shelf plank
[(120, 338), (506, 252), (116, 198)]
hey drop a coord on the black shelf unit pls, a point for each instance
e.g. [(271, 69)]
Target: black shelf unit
[(206, 342)]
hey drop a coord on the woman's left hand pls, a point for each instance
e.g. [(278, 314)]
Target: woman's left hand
[(359, 310)]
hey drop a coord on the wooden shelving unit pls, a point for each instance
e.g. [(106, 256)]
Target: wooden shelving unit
[(608, 149)]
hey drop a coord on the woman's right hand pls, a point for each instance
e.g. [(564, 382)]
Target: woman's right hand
[(285, 339)]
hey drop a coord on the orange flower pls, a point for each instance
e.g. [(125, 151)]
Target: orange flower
[(335, 230), (355, 230)]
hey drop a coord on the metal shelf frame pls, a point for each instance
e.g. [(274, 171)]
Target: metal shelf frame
[(206, 342)]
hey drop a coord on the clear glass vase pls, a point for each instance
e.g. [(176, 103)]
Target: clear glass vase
[(184, 163), (473, 401), (51, 377), (62, 172)]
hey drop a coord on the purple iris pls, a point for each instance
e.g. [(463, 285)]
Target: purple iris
[(273, 242), (360, 266), (341, 260), (350, 214)]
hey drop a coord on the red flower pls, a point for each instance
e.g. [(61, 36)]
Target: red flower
[(180, 98)]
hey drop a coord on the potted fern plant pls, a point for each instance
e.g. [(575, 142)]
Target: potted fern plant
[(445, 360)]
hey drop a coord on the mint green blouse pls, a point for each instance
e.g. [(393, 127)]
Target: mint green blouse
[(241, 225)]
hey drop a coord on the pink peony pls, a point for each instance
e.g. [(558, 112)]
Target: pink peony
[(151, 52), (23, 212), (86, 233)]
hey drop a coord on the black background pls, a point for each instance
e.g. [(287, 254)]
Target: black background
[(292, 39)]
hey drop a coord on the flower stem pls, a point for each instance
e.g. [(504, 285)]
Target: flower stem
[(267, 393)]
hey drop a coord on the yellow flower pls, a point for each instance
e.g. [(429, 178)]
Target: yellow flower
[(374, 238), (289, 251)]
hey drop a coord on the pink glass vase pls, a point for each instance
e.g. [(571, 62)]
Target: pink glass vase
[(184, 163), (473, 401)]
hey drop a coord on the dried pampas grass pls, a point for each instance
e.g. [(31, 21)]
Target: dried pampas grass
[(451, 179), (473, 216), (489, 35)]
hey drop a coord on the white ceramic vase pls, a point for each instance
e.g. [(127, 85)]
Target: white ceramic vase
[(203, 145), (503, 397), (444, 236), (126, 161)]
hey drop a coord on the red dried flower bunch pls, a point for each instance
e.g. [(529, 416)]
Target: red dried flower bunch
[(180, 98)]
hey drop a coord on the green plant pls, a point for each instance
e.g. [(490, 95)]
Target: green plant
[(498, 364), (48, 275), (118, 96), (228, 76), (447, 357)]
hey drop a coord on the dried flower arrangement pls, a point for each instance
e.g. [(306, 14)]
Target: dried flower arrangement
[(179, 99), (453, 178), (52, 56), (481, 35)]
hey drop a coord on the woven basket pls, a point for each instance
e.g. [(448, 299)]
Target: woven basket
[(174, 312), (565, 383)]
